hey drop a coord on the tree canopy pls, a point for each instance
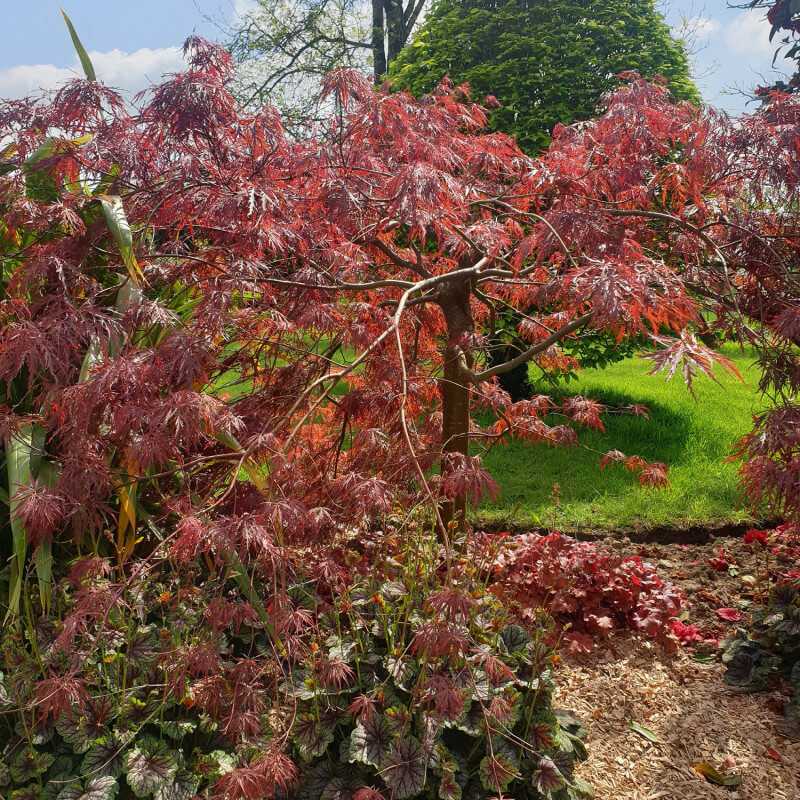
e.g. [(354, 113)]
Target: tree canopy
[(285, 49), (546, 62)]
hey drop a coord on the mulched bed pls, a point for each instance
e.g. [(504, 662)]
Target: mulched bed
[(681, 700), (721, 573)]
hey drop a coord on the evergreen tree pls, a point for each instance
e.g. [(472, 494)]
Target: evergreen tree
[(546, 61)]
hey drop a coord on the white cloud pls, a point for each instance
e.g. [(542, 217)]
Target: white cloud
[(702, 27), (128, 72), (748, 34)]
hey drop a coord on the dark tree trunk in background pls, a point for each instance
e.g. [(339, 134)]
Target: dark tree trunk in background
[(516, 382), (395, 28), (454, 390), (378, 41)]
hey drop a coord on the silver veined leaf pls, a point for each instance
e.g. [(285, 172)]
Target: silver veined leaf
[(183, 787), (150, 766), (370, 741), (104, 757), (101, 788), (312, 736), (404, 770), (73, 729)]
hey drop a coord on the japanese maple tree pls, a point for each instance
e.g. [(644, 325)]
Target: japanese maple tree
[(317, 312)]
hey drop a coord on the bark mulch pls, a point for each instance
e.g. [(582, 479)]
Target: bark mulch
[(681, 700)]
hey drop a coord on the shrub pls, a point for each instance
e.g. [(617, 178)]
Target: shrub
[(589, 590), (401, 677)]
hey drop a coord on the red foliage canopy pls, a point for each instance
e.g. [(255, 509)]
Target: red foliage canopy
[(317, 313)]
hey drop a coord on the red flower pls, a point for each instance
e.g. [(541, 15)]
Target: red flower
[(686, 632), (721, 561)]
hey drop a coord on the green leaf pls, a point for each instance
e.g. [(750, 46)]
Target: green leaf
[(177, 728), (46, 474), (117, 221), (150, 766), (104, 757), (645, 732), (29, 764), (580, 788), (31, 792), (18, 447), (215, 764), (91, 357), (183, 787), (73, 729), (312, 735), (514, 638), (715, 776), (40, 183), (43, 561), (497, 772), (449, 787), (101, 788), (86, 62)]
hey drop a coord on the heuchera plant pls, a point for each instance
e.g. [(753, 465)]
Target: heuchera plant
[(587, 588), (404, 677)]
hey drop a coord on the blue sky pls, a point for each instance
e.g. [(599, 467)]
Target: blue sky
[(134, 41)]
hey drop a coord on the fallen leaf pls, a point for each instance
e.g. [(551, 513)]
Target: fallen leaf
[(729, 614), (645, 732), (774, 754), (713, 775)]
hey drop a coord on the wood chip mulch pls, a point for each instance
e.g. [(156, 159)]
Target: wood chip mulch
[(694, 715)]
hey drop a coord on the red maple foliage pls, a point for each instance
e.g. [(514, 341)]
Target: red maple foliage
[(229, 349), (265, 263)]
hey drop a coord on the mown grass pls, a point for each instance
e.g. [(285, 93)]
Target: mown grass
[(693, 436)]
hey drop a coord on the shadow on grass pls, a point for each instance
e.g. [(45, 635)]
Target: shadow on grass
[(527, 473)]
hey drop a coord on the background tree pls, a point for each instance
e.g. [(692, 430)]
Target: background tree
[(546, 62), (784, 17), (285, 49)]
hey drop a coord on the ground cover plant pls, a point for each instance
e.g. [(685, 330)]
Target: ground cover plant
[(693, 434), (759, 655), (239, 374)]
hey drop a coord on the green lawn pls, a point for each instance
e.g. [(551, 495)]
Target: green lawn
[(692, 436)]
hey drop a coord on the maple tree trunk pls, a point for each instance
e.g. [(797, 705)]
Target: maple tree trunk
[(378, 47), (454, 390)]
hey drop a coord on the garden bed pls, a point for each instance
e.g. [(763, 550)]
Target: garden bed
[(695, 718), (682, 699)]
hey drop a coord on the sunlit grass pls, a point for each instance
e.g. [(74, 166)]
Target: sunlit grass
[(693, 436)]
